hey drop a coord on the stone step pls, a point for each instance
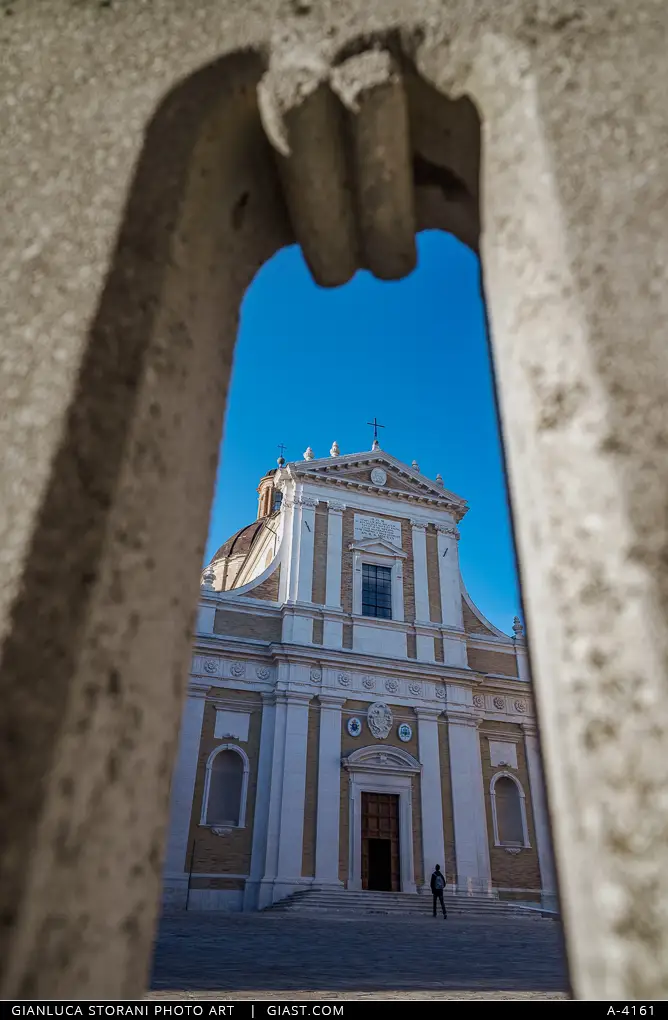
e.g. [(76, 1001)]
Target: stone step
[(343, 901)]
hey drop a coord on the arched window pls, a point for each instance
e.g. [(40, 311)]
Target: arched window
[(225, 787), (509, 811)]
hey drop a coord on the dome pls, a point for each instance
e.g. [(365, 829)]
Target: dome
[(240, 543)]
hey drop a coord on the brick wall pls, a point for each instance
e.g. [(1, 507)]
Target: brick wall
[(492, 662), (449, 866), (411, 645), (311, 799), (263, 628), (269, 588), (517, 871), (229, 853), (472, 624), (318, 631), (433, 579), (320, 554)]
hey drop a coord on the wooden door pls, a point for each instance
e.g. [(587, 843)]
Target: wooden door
[(380, 821)]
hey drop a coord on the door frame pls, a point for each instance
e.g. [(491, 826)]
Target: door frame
[(401, 786)]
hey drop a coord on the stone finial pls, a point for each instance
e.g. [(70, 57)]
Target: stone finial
[(309, 454), (376, 445), (518, 628), (208, 578), (415, 466), (335, 451), (439, 480)]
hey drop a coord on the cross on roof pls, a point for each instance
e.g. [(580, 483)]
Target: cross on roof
[(374, 424)]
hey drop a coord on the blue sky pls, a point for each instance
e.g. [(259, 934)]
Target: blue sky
[(314, 365)]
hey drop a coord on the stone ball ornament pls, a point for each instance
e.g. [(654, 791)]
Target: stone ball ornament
[(354, 726)]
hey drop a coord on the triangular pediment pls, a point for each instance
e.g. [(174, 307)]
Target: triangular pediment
[(380, 472), (378, 547)]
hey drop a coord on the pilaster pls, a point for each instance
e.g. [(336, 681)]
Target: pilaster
[(468, 801), (448, 575), (431, 794), (329, 791), (541, 819), (182, 793), (262, 802), (332, 628)]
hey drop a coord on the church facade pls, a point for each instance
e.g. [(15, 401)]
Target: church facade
[(352, 719)]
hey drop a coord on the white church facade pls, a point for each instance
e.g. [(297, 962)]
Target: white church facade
[(352, 719)]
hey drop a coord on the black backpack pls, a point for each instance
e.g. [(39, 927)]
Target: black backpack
[(439, 881)]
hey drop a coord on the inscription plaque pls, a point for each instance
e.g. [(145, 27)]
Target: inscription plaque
[(378, 527)]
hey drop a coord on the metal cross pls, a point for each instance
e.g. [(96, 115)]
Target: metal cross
[(374, 424), (282, 448)]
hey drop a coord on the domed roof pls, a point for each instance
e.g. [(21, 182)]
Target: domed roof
[(239, 544)]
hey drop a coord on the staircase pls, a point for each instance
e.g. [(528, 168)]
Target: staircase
[(344, 901)]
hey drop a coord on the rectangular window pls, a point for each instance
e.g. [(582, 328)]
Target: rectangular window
[(376, 591)]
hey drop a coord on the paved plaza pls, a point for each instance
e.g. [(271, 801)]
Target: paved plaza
[(256, 954)]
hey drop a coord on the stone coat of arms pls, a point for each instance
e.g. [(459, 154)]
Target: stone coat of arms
[(379, 720)]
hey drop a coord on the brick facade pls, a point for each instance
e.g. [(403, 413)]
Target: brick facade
[(230, 853), (483, 661), (510, 871), (262, 628), (311, 798)]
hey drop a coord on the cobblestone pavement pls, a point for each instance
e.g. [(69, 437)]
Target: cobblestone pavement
[(264, 955)]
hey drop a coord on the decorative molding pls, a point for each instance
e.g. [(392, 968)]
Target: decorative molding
[(499, 703), (387, 759), (221, 830), (520, 706), (238, 669), (418, 525), (379, 720), (244, 786), (211, 666), (391, 685), (316, 675), (478, 701), (378, 476), (440, 693), (447, 529), (336, 507), (308, 501), (263, 672), (415, 689), (514, 849), (523, 811), (369, 683), (343, 679)]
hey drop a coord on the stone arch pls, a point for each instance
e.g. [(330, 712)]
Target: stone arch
[(510, 831), (566, 269), (214, 758)]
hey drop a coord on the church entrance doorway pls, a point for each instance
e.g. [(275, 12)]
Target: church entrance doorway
[(380, 842)]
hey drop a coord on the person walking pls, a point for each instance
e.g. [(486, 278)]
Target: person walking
[(437, 888)]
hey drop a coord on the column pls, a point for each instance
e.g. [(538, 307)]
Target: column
[(329, 791), (175, 882), (262, 801), (541, 820), (424, 642), (454, 648), (431, 792), (306, 508), (333, 629), (286, 809), (468, 802)]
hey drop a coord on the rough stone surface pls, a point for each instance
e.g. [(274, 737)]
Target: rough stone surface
[(140, 196), (259, 953)]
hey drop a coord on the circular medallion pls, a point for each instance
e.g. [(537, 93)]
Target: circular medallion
[(404, 732), (378, 476), (354, 727)]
